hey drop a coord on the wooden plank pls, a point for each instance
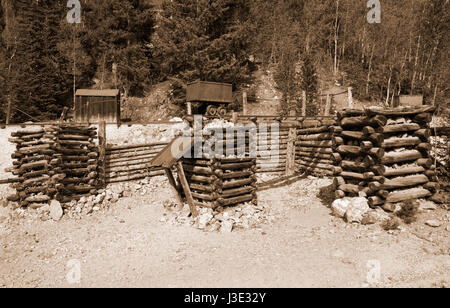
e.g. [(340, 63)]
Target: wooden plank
[(175, 187), (186, 189)]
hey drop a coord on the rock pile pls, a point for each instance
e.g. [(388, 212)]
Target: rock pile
[(225, 220)]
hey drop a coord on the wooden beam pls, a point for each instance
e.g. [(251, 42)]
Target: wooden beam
[(186, 189)]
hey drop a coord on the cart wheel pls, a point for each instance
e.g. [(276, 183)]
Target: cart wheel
[(211, 110), (222, 112)]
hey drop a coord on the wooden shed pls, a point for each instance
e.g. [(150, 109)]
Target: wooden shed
[(94, 106)]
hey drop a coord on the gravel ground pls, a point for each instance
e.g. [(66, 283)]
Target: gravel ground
[(305, 246)]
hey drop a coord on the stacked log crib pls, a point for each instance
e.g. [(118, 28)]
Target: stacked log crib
[(313, 148), (54, 162), (384, 155), (221, 182)]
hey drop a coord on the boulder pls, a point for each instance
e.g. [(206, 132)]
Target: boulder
[(56, 211), (226, 226), (358, 207), (340, 207), (433, 223)]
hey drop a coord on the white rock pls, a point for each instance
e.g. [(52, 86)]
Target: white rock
[(226, 226), (358, 207), (340, 207), (433, 223), (204, 220), (427, 205), (56, 211)]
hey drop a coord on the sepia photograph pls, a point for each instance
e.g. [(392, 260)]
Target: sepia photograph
[(224, 151)]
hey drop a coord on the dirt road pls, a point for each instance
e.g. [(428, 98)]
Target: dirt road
[(128, 246)]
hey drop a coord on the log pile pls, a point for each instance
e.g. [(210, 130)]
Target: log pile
[(314, 151), (221, 182), (54, 162), (131, 162), (384, 154)]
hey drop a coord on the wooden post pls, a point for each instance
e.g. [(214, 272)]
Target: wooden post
[(234, 117), (8, 111), (290, 158), (327, 106), (350, 98), (175, 188), (244, 103), (102, 153), (304, 104), (186, 189), (189, 108)]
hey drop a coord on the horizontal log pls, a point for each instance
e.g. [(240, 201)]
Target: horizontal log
[(349, 150), (236, 175), (134, 146), (132, 154), (400, 157), (319, 144), (74, 137), (314, 130), (350, 188), (197, 170), (205, 197), (134, 177), (314, 150), (329, 170), (204, 188), (404, 170), (236, 200), (399, 128), (352, 135), (354, 166), (125, 160), (315, 137), (316, 171), (40, 199), (410, 194), (201, 179), (357, 176), (403, 182), (394, 142), (397, 112), (315, 160), (38, 180), (236, 183), (237, 166), (237, 192)]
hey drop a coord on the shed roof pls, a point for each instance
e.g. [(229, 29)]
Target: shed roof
[(92, 92)]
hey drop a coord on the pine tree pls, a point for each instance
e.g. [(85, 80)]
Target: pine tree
[(204, 40), (118, 37), (36, 82)]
